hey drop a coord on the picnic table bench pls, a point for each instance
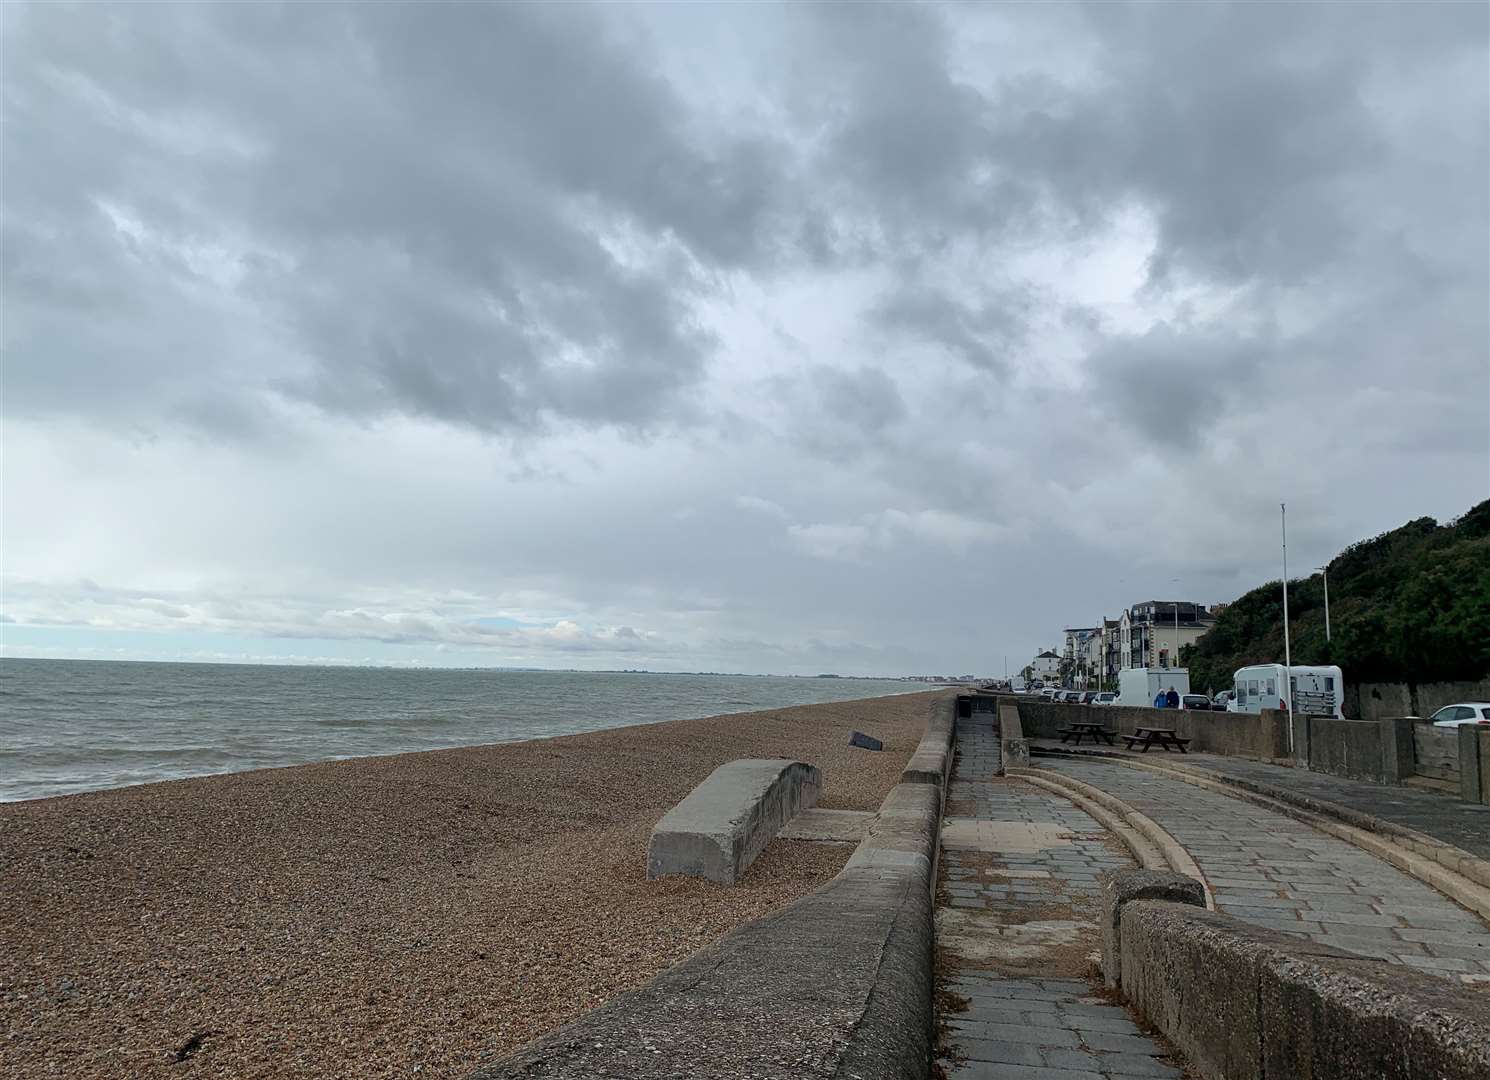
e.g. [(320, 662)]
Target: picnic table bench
[(1083, 729), (1149, 736)]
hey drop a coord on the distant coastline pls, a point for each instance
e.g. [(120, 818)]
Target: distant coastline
[(87, 725)]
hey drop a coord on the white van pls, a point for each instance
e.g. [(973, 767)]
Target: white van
[(1139, 686), (1317, 691)]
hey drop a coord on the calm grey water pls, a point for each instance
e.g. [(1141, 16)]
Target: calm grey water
[(79, 725)]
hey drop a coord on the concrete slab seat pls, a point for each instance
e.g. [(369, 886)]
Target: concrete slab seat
[(835, 985), (725, 822), (1242, 1002)]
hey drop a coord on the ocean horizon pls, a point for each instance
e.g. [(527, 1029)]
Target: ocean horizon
[(70, 726)]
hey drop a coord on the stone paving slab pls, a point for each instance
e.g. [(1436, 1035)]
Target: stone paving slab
[(1280, 873), (1021, 896), (841, 826)]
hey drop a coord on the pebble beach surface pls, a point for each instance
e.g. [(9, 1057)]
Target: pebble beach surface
[(386, 917)]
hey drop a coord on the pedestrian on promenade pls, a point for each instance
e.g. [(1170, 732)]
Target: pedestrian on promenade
[(1172, 699), (1160, 700)]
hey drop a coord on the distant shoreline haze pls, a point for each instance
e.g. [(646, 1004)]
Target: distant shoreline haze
[(82, 725), (417, 666)]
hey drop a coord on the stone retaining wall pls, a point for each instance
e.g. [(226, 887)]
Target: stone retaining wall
[(1380, 701)]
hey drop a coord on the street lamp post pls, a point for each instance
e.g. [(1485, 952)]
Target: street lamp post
[(1325, 570)]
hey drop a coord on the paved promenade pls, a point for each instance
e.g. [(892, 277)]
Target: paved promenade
[(1435, 814), (1017, 931), (1440, 816), (1283, 874)]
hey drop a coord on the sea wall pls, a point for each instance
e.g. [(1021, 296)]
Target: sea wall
[(837, 984)]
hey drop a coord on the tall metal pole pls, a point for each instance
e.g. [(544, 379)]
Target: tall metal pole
[(1325, 570), (1287, 653)]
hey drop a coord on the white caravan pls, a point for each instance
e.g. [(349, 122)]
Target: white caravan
[(1139, 686), (1317, 691)]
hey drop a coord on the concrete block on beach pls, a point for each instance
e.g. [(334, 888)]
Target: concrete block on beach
[(725, 822), (867, 742)]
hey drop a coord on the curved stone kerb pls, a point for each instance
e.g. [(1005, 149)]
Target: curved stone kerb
[(725, 822)]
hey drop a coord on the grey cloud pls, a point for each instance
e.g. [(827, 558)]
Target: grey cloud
[(1168, 387), (983, 334), (411, 201)]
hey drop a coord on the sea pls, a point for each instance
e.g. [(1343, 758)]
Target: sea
[(81, 725)]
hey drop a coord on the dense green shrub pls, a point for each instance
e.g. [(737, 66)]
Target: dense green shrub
[(1411, 605)]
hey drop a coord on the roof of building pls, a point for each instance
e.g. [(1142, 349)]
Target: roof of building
[(1046, 655)]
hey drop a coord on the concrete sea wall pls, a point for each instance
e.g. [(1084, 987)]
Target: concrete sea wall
[(1242, 1002), (838, 984)]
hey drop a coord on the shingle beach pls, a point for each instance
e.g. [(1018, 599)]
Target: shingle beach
[(385, 917)]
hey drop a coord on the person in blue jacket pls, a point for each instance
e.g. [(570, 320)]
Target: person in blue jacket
[(1160, 700)]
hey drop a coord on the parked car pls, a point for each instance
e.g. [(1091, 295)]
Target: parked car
[(1195, 702), (1221, 700), (1104, 698), (1049, 693), (1466, 712), (1086, 697)]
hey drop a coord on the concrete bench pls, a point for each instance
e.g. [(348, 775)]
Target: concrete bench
[(725, 822)]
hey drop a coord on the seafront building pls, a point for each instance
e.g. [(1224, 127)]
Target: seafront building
[(1148, 634)]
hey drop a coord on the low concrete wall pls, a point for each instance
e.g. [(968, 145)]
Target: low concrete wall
[(1245, 1003), (1485, 767), (1435, 752), (1352, 748), (1474, 764), (838, 984), (1247, 735), (1014, 748), (725, 822)]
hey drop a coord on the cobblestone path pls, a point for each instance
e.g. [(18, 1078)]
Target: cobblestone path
[(1277, 872), (1017, 932)]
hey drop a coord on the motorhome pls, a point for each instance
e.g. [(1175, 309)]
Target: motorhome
[(1316, 691), (1139, 686)]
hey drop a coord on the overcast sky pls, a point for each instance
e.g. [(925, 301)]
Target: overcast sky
[(722, 337)]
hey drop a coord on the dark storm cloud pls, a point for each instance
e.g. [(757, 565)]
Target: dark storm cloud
[(411, 202), (495, 215)]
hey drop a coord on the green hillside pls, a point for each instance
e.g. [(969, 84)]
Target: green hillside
[(1411, 605)]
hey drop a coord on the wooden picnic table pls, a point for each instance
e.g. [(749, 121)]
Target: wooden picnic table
[(1081, 729), (1163, 736)]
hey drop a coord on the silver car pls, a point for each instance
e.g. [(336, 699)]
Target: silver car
[(1466, 712)]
